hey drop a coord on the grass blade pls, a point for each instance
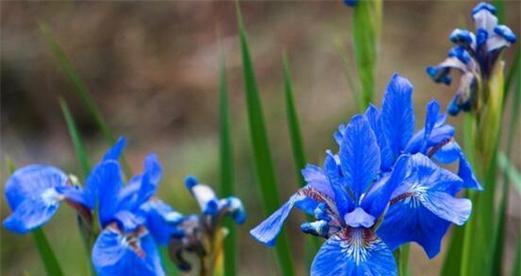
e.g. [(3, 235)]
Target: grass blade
[(516, 266), (227, 168), (511, 172), (261, 151), (50, 262), (79, 147), (81, 88)]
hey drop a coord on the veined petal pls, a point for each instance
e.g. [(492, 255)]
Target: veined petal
[(356, 255), (116, 254), (451, 152), (386, 156), (150, 179), (408, 221), (316, 178), (162, 220), (448, 207), (31, 182), (397, 114), (359, 155), (377, 198), (484, 17), (342, 200), (268, 230)]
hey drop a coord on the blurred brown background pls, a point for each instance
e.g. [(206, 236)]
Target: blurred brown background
[(152, 69)]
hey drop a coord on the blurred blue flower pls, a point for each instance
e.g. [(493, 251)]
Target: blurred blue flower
[(474, 55), (380, 165), (350, 3), (199, 230)]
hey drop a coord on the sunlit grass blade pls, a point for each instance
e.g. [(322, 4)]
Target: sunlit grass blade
[(297, 145), (79, 147), (261, 150), (50, 262), (168, 266), (509, 173), (366, 29), (403, 260), (227, 168)]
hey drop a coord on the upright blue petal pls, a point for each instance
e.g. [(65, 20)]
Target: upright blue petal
[(360, 254), (377, 198), (114, 153), (343, 201), (373, 116), (317, 179), (150, 179), (397, 114), (109, 177), (359, 155), (118, 254)]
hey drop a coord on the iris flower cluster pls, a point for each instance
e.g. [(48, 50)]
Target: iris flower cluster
[(384, 187), (133, 222), (474, 56)]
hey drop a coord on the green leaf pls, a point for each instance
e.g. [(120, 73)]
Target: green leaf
[(81, 88), (451, 263), (513, 75), (50, 262), (227, 168), (261, 151), (79, 147), (403, 260), (511, 172), (516, 266), (168, 266), (367, 17)]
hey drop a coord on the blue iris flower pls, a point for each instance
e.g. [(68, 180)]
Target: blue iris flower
[(133, 222), (474, 55), (381, 165), (35, 192), (350, 3)]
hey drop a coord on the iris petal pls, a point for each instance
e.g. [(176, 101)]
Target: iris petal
[(373, 116), (108, 174), (114, 153), (315, 177), (359, 155), (397, 114), (339, 256), (31, 213), (113, 255)]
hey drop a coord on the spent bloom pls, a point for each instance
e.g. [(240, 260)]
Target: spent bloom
[(382, 189), (474, 56), (202, 233)]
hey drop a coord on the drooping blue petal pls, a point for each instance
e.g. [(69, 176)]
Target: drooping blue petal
[(359, 155), (397, 114), (451, 152), (447, 207), (373, 116), (32, 194), (352, 256), (377, 198), (114, 153), (161, 221), (33, 213), (31, 182), (408, 221), (268, 230), (113, 254), (108, 175)]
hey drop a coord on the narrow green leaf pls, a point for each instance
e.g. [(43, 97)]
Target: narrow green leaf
[(500, 9), (367, 16), (227, 168), (513, 75), (81, 88), (511, 172), (516, 266), (261, 151), (50, 262), (79, 147), (355, 91), (451, 263), (168, 266), (403, 260)]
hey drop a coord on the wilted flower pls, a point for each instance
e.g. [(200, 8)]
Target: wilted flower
[(203, 233), (474, 56), (380, 191)]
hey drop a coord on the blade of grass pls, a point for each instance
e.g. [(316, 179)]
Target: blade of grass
[(503, 163), (79, 147), (168, 266), (516, 266), (227, 168), (510, 171), (403, 260), (80, 89), (261, 151), (50, 262), (297, 145)]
